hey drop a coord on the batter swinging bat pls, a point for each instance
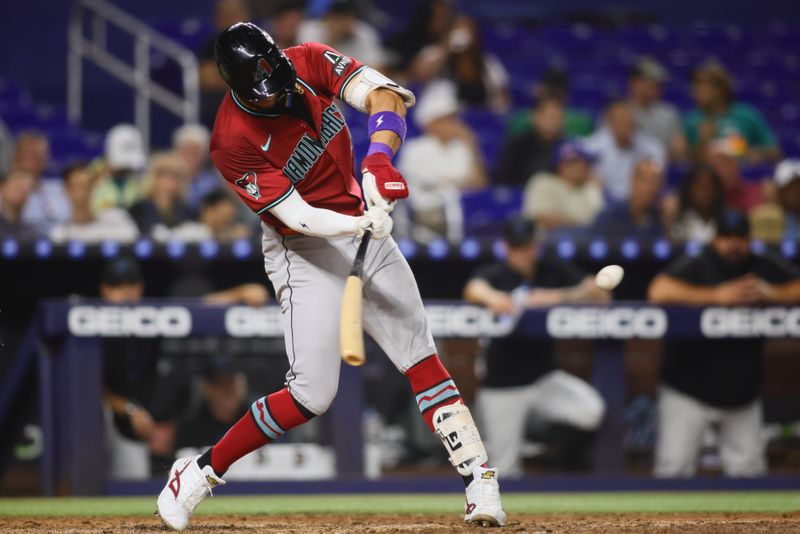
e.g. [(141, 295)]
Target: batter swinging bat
[(351, 333)]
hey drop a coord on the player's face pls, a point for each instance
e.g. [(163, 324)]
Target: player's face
[(522, 258), (126, 292), (732, 249)]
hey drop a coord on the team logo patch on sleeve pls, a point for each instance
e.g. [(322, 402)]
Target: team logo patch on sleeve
[(249, 182), (487, 475), (339, 62)]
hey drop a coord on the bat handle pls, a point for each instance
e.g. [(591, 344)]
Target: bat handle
[(358, 263)]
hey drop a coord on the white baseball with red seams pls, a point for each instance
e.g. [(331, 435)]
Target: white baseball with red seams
[(609, 277)]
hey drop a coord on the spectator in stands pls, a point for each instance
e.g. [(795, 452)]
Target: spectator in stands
[(430, 24), (341, 29), (740, 193), (113, 224), (163, 204), (212, 87), (441, 163), (223, 399), (132, 382), (119, 182), (191, 142), (46, 203), (479, 76), (787, 180), (701, 200), (571, 197), (554, 84), (639, 215), (530, 152), (217, 221), (521, 380), (717, 381), (655, 117), (720, 116), (285, 21), (6, 148), (15, 189), (619, 145)]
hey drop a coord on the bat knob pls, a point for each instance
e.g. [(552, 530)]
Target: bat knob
[(352, 359)]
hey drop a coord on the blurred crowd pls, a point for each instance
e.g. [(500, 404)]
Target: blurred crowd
[(637, 167)]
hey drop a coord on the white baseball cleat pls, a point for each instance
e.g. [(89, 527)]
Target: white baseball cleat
[(483, 506), (187, 485)]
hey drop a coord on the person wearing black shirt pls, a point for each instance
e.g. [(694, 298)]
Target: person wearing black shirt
[(717, 382), (527, 153), (521, 377)]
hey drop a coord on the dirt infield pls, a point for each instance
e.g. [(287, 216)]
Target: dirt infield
[(380, 524)]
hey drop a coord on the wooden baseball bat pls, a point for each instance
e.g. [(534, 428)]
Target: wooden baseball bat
[(351, 331)]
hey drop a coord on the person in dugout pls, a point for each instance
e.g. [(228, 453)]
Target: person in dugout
[(522, 381), (707, 382)]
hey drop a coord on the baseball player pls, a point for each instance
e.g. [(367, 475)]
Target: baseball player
[(282, 143)]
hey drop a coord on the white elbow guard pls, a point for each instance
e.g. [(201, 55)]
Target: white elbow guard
[(457, 430), (355, 91)]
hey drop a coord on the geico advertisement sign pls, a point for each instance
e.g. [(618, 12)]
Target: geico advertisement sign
[(129, 321), (243, 321), (750, 322), (598, 323), (466, 321)]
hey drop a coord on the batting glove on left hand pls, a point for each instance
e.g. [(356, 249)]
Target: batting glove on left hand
[(383, 185), (377, 221)]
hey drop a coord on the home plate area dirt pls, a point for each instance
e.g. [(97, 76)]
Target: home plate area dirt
[(381, 523)]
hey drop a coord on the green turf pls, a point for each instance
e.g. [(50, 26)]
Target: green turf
[(645, 502)]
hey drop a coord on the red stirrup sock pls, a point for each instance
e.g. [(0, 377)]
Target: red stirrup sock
[(433, 387), (267, 420)]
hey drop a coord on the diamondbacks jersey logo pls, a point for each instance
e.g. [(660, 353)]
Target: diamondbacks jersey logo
[(308, 150), (249, 182), (339, 62), (262, 70)]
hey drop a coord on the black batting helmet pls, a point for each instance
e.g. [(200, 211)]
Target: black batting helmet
[(251, 63)]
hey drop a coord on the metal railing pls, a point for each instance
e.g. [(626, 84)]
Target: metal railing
[(136, 74)]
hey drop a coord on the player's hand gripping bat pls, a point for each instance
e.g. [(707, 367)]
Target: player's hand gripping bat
[(351, 333)]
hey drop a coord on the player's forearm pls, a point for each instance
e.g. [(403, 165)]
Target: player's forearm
[(478, 291), (586, 292), (786, 294), (301, 217), (381, 100), (667, 290)]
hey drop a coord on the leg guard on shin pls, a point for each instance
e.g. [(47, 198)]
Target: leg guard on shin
[(457, 430)]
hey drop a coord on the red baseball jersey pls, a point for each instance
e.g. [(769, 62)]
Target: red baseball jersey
[(265, 156)]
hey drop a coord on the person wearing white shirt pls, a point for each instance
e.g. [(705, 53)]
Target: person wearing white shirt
[(440, 164), (110, 224), (619, 145), (341, 29)]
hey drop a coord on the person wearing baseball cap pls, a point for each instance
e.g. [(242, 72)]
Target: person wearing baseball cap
[(787, 178), (655, 117), (717, 381), (521, 378), (571, 197), (719, 116)]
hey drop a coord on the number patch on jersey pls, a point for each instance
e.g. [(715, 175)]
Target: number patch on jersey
[(339, 62), (249, 182)]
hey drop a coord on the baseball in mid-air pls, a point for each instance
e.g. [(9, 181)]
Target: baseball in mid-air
[(609, 277)]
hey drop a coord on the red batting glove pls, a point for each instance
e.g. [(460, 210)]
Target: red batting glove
[(382, 183)]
